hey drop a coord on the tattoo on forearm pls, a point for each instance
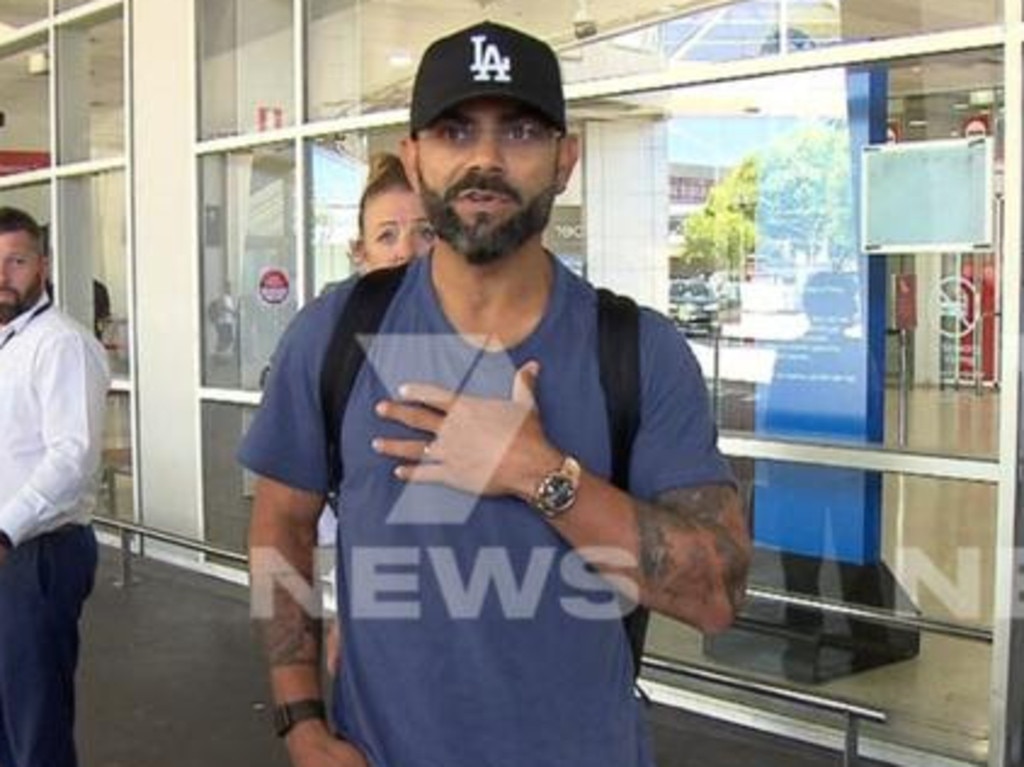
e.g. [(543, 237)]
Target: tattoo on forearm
[(688, 571), (292, 635)]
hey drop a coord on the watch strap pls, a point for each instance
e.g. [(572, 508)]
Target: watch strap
[(287, 715)]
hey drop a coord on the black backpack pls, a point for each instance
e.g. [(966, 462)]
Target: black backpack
[(619, 360)]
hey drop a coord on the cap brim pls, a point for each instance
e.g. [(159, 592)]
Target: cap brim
[(440, 107)]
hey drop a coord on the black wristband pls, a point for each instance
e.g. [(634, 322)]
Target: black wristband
[(287, 715)]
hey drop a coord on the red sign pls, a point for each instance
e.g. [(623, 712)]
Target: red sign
[(269, 118), (905, 289), (274, 286), (19, 162)]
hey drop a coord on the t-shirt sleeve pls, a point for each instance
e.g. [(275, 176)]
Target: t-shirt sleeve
[(285, 441), (677, 443)]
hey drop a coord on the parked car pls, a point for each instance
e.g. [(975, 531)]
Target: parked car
[(693, 305)]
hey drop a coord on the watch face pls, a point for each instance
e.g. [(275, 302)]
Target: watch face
[(557, 494)]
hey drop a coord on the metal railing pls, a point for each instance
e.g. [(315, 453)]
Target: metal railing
[(129, 530), (852, 713)]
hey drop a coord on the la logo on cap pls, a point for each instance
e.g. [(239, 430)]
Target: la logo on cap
[(488, 63)]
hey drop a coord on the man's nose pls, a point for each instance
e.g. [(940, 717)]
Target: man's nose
[(488, 154)]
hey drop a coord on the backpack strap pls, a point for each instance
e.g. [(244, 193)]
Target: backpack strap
[(364, 311), (618, 343)]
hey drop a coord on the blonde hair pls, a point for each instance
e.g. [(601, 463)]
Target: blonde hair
[(386, 173)]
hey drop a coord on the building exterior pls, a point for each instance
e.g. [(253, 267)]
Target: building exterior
[(202, 161)]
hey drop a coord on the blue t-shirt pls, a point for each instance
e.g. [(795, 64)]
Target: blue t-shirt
[(472, 634)]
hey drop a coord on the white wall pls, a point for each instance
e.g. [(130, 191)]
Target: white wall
[(625, 190), (166, 281)]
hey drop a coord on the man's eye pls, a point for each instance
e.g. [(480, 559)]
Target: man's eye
[(387, 237), (524, 131), (455, 133)]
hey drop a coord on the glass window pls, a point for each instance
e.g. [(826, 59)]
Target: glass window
[(25, 134), (93, 265), (91, 89), (67, 5), (934, 687), (682, 40), (117, 500), (227, 487), (798, 332), (246, 66), (15, 14), (248, 263), (338, 166), (334, 54), (337, 170), (34, 199)]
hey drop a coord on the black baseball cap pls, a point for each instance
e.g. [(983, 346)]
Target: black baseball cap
[(487, 60)]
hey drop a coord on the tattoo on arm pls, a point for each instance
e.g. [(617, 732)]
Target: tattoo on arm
[(292, 635), (686, 570)]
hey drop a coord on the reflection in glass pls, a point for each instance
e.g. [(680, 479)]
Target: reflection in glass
[(936, 694), (246, 72), (248, 265), (20, 14), (227, 488), (34, 199), (116, 499), (674, 40), (93, 267), (90, 87), (334, 56), (799, 334), (337, 171), (24, 83), (67, 5)]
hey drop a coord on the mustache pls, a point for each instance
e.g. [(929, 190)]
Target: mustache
[(480, 182)]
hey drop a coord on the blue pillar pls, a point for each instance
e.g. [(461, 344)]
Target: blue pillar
[(828, 384)]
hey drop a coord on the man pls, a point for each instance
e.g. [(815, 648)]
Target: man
[(53, 385), (475, 448)]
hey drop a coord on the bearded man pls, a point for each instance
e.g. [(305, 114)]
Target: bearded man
[(481, 545), (53, 387)]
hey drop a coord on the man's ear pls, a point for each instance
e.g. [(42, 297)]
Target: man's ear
[(409, 149), (568, 156)]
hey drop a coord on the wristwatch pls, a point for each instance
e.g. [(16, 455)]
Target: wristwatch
[(287, 715), (556, 492)]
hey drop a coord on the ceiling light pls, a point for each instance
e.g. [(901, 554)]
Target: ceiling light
[(400, 59)]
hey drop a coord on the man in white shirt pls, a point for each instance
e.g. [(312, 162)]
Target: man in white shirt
[(53, 384)]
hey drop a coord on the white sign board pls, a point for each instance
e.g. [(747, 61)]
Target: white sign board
[(927, 196)]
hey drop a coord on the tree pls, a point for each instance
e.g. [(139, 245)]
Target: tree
[(795, 196), (722, 234)]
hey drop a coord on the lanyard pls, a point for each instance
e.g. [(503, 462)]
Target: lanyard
[(35, 313)]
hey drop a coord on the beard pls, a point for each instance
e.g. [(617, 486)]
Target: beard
[(20, 303), (482, 241)]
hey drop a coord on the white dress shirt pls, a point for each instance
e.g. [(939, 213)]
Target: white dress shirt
[(53, 387)]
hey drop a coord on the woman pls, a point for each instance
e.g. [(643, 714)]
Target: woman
[(393, 227)]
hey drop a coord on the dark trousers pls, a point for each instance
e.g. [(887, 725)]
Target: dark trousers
[(43, 584)]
